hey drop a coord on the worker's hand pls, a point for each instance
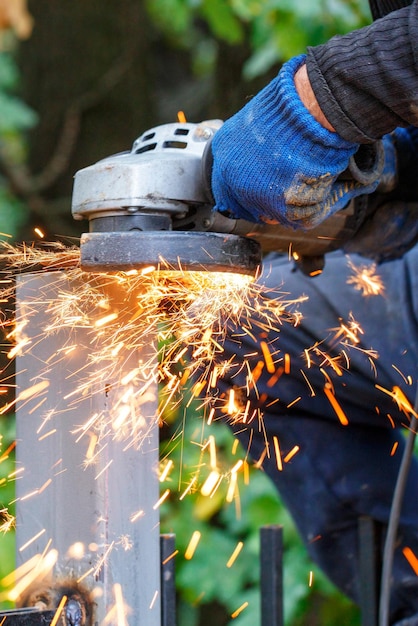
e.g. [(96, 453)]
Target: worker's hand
[(273, 161), (392, 226)]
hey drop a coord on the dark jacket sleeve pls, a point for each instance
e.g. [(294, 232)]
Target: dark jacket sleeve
[(366, 82)]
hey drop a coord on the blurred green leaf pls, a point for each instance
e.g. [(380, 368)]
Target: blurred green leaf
[(14, 114), (9, 76), (174, 18), (222, 21)]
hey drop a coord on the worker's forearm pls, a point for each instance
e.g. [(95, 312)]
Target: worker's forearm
[(306, 94), (366, 82)]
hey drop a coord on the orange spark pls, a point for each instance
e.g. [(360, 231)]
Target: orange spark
[(366, 280), (267, 357), (411, 558), (394, 448), (234, 448), (170, 556), (291, 454), (92, 445), (400, 398), (30, 541), (311, 389), (232, 408), (239, 610), (168, 467), (41, 567), (231, 488), (120, 605), (246, 473), (102, 471), (211, 483), (335, 405), (235, 554), (5, 454), (278, 454), (162, 499), (210, 416), (58, 612), (273, 379), (293, 402), (76, 550), (48, 434), (137, 515), (191, 548), (107, 319), (8, 521), (407, 380), (188, 488), (212, 452)]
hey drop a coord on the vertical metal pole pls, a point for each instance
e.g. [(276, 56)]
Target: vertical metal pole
[(168, 583), (100, 517), (370, 570), (271, 561)]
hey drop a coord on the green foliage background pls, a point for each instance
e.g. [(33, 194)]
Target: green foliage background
[(15, 118), (274, 30)]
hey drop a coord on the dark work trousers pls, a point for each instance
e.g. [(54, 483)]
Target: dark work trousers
[(341, 471)]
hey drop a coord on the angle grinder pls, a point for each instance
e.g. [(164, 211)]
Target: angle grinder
[(153, 207)]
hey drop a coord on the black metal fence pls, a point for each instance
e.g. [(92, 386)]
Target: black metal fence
[(271, 581)]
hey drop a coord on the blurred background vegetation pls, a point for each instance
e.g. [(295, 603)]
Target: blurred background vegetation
[(79, 80)]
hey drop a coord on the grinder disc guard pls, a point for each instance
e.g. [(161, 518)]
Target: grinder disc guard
[(169, 250)]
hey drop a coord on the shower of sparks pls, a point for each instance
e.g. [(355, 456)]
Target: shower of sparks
[(165, 328), (121, 315)]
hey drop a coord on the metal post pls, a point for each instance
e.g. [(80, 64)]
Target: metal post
[(168, 583), (370, 570), (271, 558), (101, 518)]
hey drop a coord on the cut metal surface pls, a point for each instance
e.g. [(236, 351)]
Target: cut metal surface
[(189, 251)]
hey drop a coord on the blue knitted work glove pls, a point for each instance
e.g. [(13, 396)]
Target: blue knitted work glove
[(272, 161)]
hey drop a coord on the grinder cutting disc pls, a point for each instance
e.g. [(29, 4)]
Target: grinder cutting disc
[(169, 250)]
